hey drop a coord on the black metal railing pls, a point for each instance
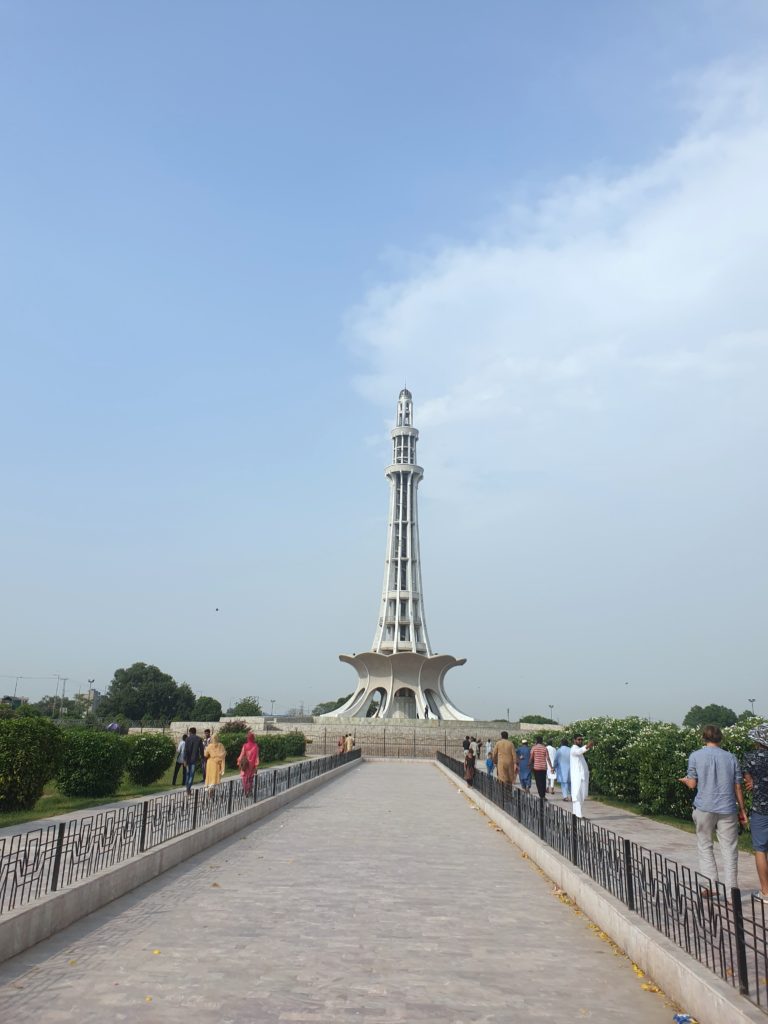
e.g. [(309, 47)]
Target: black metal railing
[(45, 860), (722, 929)]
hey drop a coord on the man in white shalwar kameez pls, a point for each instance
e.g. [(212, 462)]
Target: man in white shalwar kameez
[(579, 773), (551, 770)]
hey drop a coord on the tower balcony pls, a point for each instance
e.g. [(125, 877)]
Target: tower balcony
[(389, 647)]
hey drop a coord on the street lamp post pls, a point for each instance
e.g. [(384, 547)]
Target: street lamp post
[(752, 702), (551, 708), (272, 709)]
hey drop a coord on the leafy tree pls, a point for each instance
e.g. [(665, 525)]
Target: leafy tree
[(27, 711), (748, 717), (55, 707), (141, 691), (712, 714), (185, 702), (536, 719), (206, 709), (246, 706), (330, 705)]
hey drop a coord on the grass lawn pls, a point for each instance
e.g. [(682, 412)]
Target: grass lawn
[(52, 803), (745, 842)]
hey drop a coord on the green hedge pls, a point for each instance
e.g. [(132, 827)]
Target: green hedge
[(272, 747), (640, 761), (150, 754), (30, 753), (92, 763)]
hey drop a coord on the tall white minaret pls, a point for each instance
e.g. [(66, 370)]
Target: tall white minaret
[(402, 626), (401, 677)]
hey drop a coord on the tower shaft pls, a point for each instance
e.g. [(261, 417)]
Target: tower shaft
[(402, 625)]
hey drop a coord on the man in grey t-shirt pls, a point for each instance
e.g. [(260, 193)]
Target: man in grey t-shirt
[(718, 805)]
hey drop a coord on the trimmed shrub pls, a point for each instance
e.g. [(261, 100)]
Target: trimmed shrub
[(30, 752), (150, 754), (232, 742), (295, 745), (92, 763), (272, 747)]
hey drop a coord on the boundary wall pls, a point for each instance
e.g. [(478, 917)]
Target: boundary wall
[(695, 989), (36, 921), (324, 732)]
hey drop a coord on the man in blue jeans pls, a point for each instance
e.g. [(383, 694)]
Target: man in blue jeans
[(755, 768), (718, 806)]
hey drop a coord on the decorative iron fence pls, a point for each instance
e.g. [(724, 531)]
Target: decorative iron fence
[(723, 930), (45, 860)]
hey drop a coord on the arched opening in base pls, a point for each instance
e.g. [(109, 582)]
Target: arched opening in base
[(433, 704), (376, 704), (404, 703)]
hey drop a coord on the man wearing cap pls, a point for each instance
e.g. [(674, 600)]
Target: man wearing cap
[(755, 770), (718, 806)]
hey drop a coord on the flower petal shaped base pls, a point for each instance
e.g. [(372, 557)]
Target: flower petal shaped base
[(405, 685)]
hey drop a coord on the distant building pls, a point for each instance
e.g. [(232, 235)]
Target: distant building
[(13, 702), (90, 698)]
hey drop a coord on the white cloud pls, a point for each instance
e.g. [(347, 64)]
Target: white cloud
[(597, 299)]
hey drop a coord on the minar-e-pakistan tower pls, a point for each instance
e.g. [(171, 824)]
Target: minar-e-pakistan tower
[(401, 669)]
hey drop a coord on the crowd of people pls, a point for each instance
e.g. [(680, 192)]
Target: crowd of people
[(716, 775), (209, 754), (541, 764)]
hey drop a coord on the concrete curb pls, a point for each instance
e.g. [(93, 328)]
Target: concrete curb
[(695, 989), (31, 924)]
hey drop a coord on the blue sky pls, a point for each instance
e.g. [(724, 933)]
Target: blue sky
[(231, 232)]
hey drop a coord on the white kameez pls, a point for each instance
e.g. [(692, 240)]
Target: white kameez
[(579, 778), (551, 772)]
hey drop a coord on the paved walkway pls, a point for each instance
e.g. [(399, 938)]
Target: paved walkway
[(673, 842), (384, 896)]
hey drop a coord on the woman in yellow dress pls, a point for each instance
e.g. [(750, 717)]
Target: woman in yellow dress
[(215, 755)]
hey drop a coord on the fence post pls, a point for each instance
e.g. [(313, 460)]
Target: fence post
[(741, 946), (630, 882), (274, 781), (143, 836), (194, 810), (384, 754), (414, 743), (574, 840), (541, 819), (57, 857), (230, 795), (255, 784)]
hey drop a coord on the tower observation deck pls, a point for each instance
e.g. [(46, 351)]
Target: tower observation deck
[(401, 675)]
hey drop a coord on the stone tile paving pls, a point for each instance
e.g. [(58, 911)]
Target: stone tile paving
[(384, 896), (655, 835), (673, 842)]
